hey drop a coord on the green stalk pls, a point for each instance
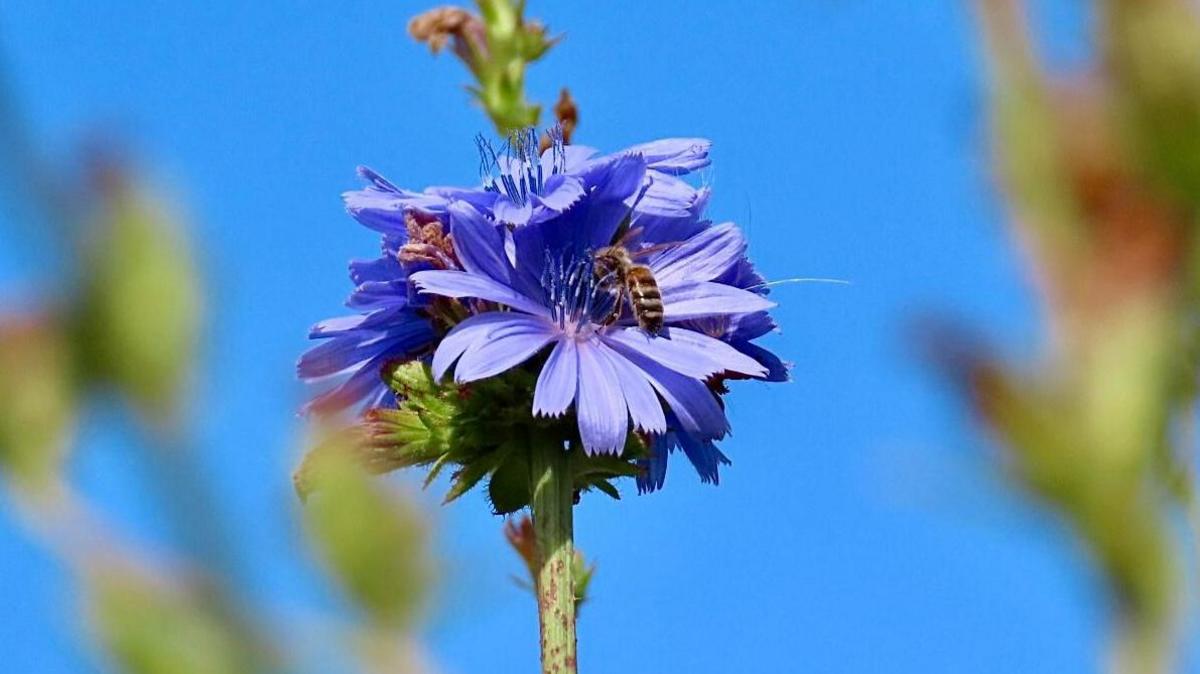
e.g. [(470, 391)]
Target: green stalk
[(552, 501)]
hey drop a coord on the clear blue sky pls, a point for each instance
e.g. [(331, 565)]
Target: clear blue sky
[(858, 529)]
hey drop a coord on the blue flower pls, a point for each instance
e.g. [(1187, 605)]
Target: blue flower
[(612, 371), (516, 257), (519, 186)]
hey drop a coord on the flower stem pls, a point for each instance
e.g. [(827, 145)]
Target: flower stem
[(552, 501)]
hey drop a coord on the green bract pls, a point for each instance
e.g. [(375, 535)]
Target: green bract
[(482, 430)]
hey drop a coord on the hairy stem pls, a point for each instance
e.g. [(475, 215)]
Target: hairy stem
[(552, 524)]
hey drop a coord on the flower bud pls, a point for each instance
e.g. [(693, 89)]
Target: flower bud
[(140, 310)]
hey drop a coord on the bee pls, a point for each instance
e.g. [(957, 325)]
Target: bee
[(632, 280)]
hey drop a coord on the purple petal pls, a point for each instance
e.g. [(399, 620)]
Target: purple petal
[(507, 345), (671, 354), (574, 157), (382, 319), (366, 381), (483, 200), (600, 405), (667, 196), (457, 284), (693, 404), (654, 469), (333, 326), (722, 355), (478, 243), (339, 354), (557, 382), (675, 155), (750, 326), (382, 205), (377, 181), (777, 370), (379, 269), (645, 409), (374, 295), (704, 455), (561, 192), (530, 247), (697, 299), (462, 337), (685, 351), (664, 229), (703, 257), (506, 210), (618, 185), (349, 350)]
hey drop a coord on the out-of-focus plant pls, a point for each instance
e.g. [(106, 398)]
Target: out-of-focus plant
[(373, 544), (128, 322), (35, 427), (154, 625), (1101, 170), (139, 309)]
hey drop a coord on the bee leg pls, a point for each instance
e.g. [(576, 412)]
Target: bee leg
[(618, 308)]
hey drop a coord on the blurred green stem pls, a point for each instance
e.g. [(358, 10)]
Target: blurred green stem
[(553, 529)]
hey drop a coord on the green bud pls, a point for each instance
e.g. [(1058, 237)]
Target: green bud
[(140, 310), (373, 543)]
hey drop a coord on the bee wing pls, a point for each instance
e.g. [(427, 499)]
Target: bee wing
[(650, 250), (625, 231)]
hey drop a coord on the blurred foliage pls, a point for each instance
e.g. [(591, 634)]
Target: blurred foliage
[(496, 46), (1101, 169), (127, 321), (373, 542), (139, 310), (150, 626), (38, 415)]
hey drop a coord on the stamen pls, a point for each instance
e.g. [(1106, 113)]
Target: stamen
[(558, 153), (521, 174), (575, 296)]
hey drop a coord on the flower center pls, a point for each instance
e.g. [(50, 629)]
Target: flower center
[(580, 301), (516, 170)]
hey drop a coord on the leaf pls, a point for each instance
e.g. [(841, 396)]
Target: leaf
[(607, 487), (508, 490), (472, 473)]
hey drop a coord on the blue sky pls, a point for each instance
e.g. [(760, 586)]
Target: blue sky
[(859, 528)]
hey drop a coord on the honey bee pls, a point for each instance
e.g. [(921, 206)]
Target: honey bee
[(632, 280)]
